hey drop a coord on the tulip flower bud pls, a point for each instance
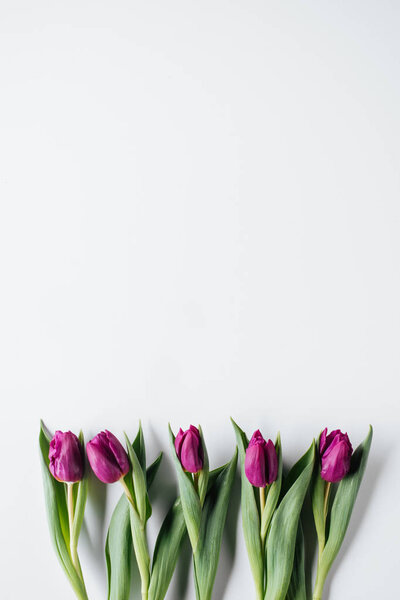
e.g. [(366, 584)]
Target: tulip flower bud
[(261, 461), (335, 452), (66, 457), (189, 449), (107, 457)]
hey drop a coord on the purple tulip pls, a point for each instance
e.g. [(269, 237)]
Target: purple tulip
[(107, 457), (66, 457), (335, 451), (261, 462), (189, 449)]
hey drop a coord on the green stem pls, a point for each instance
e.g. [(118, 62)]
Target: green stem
[(319, 584), (70, 496), (73, 541), (196, 481), (127, 492), (262, 500), (259, 594), (139, 544), (326, 498), (320, 580), (263, 533), (262, 507)]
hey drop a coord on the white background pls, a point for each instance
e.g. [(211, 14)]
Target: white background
[(199, 218)]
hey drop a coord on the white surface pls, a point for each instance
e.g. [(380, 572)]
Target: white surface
[(199, 218)]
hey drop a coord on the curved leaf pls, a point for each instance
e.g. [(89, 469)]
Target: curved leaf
[(317, 499), (297, 586), (190, 500), (343, 504), (55, 498), (119, 551), (139, 482), (152, 470), (139, 447), (166, 551), (250, 517), (282, 534), (215, 509), (204, 473)]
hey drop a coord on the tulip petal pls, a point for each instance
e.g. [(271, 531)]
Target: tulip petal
[(190, 452), (335, 451), (273, 492), (256, 438), (336, 462), (178, 441), (254, 465), (272, 462), (107, 457), (188, 447), (118, 452), (65, 456), (322, 441)]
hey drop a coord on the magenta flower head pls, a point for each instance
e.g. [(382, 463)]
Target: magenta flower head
[(189, 449), (107, 457), (261, 462), (66, 457), (335, 452)]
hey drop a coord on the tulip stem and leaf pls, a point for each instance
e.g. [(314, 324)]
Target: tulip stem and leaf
[(262, 500), (127, 530), (135, 488), (331, 522), (257, 512), (65, 504), (204, 498), (283, 535), (136, 504), (326, 498), (273, 532)]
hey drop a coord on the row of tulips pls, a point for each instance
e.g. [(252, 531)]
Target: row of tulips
[(271, 506)]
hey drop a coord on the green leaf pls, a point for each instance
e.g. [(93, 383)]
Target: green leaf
[(119, 538), (138, 529), (59, 488), (139, 483), (297, 586), (282, 534), (80, 504), (250, 517), (56, 505), (118, 552), (166, 551), (139, 447), (168, 545), (190, 500), (141, 511), (215, 509), (152, 470), (204, 473), (273, 493), (343, 504), (317, 498)]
